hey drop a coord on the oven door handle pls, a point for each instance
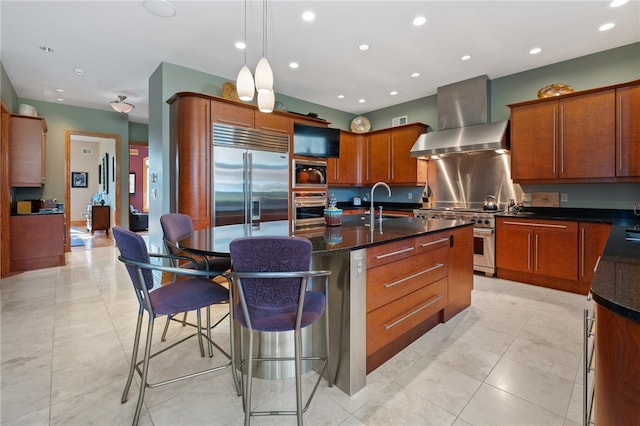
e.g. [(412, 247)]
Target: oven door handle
[(484, 230)]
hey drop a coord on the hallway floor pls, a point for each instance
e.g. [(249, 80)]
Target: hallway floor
[(513, 358)]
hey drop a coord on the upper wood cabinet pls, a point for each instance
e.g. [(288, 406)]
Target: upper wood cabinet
[(628, 131), (382, 155), (27, 151), (234, 115), (588, 136)]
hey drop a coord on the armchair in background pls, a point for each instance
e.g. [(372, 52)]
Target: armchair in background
[(138, 221)]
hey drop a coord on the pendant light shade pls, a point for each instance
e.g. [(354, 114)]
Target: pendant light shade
[(264, 76), (266, 100), (244, 84)]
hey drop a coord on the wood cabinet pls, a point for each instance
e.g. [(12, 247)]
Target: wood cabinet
[(617, 388), (37, 241), (411, 285), (592, 239), (628, 131), (567, 138), (27, 151), (191, 119), (383, 155), (350, 168), (589, 136), (542, 252), (100, 219)]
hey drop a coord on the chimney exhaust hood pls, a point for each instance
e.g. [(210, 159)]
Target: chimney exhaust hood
[(463, 122)]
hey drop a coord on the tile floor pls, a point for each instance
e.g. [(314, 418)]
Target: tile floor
[(512, 358)]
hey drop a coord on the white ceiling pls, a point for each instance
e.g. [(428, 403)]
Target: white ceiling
[(119, 45)]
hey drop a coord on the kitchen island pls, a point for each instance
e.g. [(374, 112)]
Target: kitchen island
[(616, 291), (390, 283)]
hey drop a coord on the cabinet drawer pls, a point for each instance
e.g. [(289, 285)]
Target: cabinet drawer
[(431, 242), (391, 321), (386, 284), (540, 224), (387, 253)]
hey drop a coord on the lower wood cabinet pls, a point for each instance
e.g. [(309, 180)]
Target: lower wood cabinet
[(37, 241), (410, 286), (100, 219), (551, 253)]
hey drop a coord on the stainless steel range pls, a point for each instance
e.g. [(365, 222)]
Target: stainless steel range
[(484, 233)]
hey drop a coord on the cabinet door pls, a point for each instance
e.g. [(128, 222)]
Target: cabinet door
[(380, 156), (587, 136), (534, 141), (593, 238), (274, 123), (513, 246), (555, 250), (234, 115), (628, 131), (346, 170), (26, 151), (191, 134), (406, 169)]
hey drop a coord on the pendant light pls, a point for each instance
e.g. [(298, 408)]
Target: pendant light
[(264, 74), (244, 81), (266, 101)]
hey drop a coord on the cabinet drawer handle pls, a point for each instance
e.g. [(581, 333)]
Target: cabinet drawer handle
[(430, 302), (393, 253), (541, 225), (441, 240), (417, 274), (620, 136)]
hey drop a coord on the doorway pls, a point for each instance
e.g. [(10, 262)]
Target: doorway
[(95, 156)]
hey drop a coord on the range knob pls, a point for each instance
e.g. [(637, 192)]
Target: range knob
[(487, 221)]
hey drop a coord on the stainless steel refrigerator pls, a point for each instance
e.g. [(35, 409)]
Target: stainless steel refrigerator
[(250, 175)]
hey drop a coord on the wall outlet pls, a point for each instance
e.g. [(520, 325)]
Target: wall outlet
[(410, 196), (526, 196), (564, 197)]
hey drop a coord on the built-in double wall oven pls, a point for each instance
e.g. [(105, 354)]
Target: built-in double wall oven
[(309, 193)]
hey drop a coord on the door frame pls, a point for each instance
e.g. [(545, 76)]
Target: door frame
[(67, 168)]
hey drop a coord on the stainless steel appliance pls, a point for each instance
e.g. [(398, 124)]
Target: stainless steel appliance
[(250, 175), (308, 209), (309, 174), (484, 233)]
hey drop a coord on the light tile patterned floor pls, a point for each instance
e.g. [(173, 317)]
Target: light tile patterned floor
[(513, 358)]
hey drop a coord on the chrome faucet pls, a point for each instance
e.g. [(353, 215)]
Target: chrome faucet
[(371, 210)]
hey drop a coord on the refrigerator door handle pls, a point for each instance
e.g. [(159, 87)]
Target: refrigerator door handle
[(246, 160), (255, 208)]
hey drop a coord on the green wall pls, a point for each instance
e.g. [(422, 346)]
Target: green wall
[(7, 92)]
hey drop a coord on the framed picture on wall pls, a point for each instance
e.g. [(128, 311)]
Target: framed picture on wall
[(79, 179)]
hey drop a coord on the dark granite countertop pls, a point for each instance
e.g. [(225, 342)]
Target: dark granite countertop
[(354, 233), (613, 216), (408, 207), (616, 284)]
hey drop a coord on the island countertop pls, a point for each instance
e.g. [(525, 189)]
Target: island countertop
[(616, 284), (354, 233)]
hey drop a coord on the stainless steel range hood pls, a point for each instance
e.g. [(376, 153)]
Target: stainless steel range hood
[(463, 121)]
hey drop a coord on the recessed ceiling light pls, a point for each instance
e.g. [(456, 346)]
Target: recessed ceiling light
[(616, 3), (78, 71), (465, 57), (59, 90), (606, 27), (46, 49), (363, 47), (419, 20), (362, 101), (308, 16), (535, 51), (60, 100), (415, 74), (393, 92), (293, 65), (241, 45), (340, 96), (161, 8)]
